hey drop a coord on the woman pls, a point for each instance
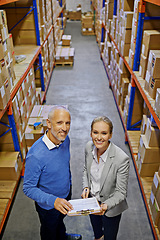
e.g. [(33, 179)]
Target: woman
[(105, 176)]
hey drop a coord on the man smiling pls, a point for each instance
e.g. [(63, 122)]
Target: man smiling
[(47, 178)]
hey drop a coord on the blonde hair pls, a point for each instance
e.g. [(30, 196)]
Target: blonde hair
[(103, 119)]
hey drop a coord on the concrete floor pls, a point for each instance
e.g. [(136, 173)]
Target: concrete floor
[(84, 87)]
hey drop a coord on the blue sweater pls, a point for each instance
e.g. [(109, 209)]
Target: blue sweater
[(47, 173)]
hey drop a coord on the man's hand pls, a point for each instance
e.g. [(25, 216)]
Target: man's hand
[(62, 205)]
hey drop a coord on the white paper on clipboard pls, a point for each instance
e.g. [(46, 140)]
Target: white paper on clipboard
[(84, 206)]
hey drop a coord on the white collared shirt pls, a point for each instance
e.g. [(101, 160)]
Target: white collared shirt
[(48, 142), (96, 171)]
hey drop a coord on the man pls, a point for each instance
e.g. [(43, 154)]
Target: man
[(47, 178)]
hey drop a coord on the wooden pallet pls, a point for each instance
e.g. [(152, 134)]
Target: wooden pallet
[(134, 137), (3, 206), (87, 33), (64, 64), (75, 19)]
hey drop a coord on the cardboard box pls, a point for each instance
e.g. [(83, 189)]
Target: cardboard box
[(126, 36), (31, 134), (3, 99), (156, 183), (127, 19), (144, 124), (143, 66), (156, 212), (4, 33), (152, 135), (109, 6), (125, 48), (146, 169), (153, 85), (10, 165), (157, 195), (151, 41), (148, 154), (154, 63), (3, 18), (147, 80), (151, 201), (127, 5), (66, 40)]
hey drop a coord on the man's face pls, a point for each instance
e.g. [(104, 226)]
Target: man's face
[(59, 125)]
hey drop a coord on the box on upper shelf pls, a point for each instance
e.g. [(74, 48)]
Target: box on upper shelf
[(154, 63), (10, 165), (151, 41)]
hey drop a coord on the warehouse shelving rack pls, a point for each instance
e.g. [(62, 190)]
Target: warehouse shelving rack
[(8, 108), (135, 83)]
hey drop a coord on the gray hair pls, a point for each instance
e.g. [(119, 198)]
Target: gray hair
[(53, 109), (103, 119)]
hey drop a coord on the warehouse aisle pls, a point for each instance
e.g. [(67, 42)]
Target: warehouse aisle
[(85, 89)]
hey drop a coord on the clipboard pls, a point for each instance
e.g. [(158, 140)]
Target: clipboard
[(84, 206)]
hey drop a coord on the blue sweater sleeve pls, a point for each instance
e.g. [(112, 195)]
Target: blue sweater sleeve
[(32, 174)]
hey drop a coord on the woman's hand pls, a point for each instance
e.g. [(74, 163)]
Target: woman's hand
[(104, 208), (85, 193)]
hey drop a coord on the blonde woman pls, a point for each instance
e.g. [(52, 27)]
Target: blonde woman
[(105, 176)]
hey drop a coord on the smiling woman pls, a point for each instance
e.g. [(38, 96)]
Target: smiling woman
[(105, 163), (101, 133)]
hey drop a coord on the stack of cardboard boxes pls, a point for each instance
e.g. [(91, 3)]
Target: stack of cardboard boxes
[(152, 80), (75, 15), (87, 24), (154, 201), (151, 41), (7, 60), (64, 53), (148, 160), (23, 103)]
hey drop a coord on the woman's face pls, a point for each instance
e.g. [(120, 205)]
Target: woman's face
[(100, 135)]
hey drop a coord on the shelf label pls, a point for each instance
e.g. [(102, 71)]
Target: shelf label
[(147, 76), (2, 91), (155, 180), (141, 142), (16, 166), (152, 197), (143, 49)]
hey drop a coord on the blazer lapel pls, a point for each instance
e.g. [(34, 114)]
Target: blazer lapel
[(90, 160), (108, 164)]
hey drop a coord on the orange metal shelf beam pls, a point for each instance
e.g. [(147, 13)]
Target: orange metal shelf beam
[(2, 2), (156, 2)]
